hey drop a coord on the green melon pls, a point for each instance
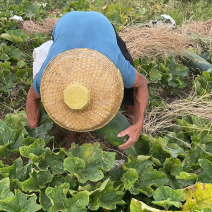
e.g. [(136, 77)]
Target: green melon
[(110, 131), (195, 62)]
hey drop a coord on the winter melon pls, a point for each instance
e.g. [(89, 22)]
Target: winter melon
[(110, 131), (197, 63)]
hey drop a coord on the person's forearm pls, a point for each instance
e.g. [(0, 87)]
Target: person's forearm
[(140, 104), (33, 108)]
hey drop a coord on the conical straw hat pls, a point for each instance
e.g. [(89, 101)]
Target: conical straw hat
[(81, 90)]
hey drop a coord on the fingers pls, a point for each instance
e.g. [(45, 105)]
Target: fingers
[(122, 133), (127, 144)]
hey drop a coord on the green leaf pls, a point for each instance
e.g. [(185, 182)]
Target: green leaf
[(10, 52), (57, 180), (104, 195), (31, 9), (74, 165), (54, 161), (205, 177), (16, 121), (21, 63), (173, 73), (129, 178), (17, 36), (16, 171), (115, 174), (34, 151), (88, 161), (5, 189), (147, 177), (138, 206), (44, 200), (41, 131), (161, 149), (198, 152), (10, 139), (20, 203), (61, 203), (198, 195), (172, 166), (7, 81), (155, 75), (165, 196), (186, 176), (37, 180)]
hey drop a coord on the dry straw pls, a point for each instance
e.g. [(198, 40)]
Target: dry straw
[(153, 42), (160, 118), (202, 28), (200, 33), (46, 26)]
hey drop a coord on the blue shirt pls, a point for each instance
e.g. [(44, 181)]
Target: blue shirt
[(90, 30)]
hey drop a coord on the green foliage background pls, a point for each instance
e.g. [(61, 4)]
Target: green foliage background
[(82, 179)]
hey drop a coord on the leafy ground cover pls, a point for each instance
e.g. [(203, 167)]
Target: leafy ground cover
[(172, 170)]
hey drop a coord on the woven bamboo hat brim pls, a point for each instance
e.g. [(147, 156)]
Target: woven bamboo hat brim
[(81, 90)]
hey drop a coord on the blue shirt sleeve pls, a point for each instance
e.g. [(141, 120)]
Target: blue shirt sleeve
[(127, 71)]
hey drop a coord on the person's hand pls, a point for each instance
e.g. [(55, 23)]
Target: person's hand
[(133, 132)]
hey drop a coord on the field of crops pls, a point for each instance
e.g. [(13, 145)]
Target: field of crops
[(171, 169)]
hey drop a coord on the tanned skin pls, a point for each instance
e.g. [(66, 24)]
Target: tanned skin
[(133, 131)]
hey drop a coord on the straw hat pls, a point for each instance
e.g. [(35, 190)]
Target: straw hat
[(81, 90)]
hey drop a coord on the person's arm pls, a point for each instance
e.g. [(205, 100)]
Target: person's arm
[(33, 108), (140, 104)]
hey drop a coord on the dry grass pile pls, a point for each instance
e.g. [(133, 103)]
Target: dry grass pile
[(153, 42), (161, 118), (46, 26), (200, 33), (202, 28)]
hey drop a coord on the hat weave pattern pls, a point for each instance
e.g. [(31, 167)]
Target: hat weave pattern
[(91, 69)]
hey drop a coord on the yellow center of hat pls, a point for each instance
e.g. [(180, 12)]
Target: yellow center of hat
[(76, 96)]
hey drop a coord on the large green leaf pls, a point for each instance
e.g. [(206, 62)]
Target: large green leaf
[(17, 36), (104, 195), (44, 200), (16, 171), (5, 189), (60, 201), (41, 131), (138, 206), (161, 149), (172, 166), (10, 139), (54, 161), (60, 179), (155, 75), (165, 196), (174, 77), (43, 157), (186, 176), (7, 79), (9, 52), (129, 178), (198, 195), (38, 180), (87, 162), (147, 177), (198, 152), (20, 203), (16, 121), (35, 151), (205, 177)]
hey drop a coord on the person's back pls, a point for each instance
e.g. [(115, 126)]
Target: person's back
[(90, 30)]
